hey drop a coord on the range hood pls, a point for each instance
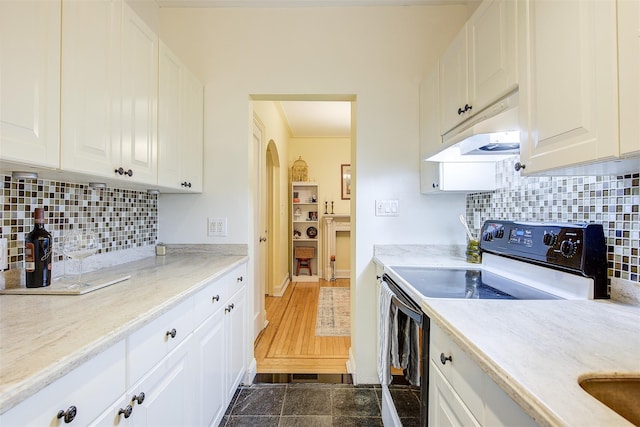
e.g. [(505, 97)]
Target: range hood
[(491, 135)]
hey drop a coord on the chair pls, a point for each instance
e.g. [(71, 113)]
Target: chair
[(303, 256)]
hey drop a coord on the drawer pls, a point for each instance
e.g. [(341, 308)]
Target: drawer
[(149, 344), (464, 375), (90, 388), (216, 294)]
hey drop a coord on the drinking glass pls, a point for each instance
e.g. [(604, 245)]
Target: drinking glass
[(80, 244)]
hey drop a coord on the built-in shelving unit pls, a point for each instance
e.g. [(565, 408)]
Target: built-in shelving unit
[(304, 231)]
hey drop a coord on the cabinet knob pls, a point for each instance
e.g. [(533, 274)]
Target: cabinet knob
[(172, 333), (215, 298), (126, 411), (434, 185), (129, 172), (239, 279), (444, 359), (229, 308), (186, 184), (68, 415), (119, 171), (519, 166), (138, 398), (467, 107), (460, 111)]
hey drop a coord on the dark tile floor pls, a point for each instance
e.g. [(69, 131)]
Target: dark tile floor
[(316, 405)]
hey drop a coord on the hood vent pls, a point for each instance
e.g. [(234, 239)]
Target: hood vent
[(491, 135)]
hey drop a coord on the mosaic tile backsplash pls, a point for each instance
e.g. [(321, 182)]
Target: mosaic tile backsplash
[(613, 201), (122, 219)]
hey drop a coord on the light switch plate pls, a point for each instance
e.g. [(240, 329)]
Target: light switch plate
[(216, 227), (4, 254), (386, 207)]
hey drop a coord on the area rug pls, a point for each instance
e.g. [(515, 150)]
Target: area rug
[(334, 312)]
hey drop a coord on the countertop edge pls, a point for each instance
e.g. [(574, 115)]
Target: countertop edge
[(34, 383)]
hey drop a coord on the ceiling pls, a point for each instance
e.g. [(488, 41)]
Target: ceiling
[(303, 3), (317, 119)]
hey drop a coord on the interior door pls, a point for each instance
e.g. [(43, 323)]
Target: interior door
[(260, 218)]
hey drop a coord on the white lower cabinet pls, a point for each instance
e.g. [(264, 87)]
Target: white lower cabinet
[(167, 373), (461, 394), (79, 397)]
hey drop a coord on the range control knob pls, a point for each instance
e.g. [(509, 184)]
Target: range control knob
[(500, 233), (568, 248), (488, 236), (550, 239)]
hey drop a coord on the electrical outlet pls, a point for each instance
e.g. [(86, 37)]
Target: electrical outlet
[(4, 254), (476, 220), (216, 227)]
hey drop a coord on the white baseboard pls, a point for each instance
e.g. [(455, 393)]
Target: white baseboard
[(351, 367), (279, 290), (250, 374)]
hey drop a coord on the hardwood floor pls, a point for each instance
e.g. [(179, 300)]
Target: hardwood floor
[(289, 345)]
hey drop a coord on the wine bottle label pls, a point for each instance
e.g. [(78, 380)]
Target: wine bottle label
[(29, 262)]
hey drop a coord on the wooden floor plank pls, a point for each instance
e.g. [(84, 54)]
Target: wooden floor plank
[(289, 343)]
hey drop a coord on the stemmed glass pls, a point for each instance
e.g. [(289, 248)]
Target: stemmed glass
[(79, 245)]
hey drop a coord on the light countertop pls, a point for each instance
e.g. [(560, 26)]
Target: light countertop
[(43, 337), (536, 351)]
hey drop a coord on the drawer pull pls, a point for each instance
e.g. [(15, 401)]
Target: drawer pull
[(126, 411), (172, 333), (239, 279), (215, 298), (444, 359), (69, 414), (229, 308), (139, 398)]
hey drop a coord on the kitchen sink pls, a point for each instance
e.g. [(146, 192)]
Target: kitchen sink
[(621, 394)]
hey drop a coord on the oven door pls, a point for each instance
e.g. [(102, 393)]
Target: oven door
[(402, 302)]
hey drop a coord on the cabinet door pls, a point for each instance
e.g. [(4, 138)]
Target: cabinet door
[(139, 98), (429, 177), (235, 341), (446, 409), (493, 70), (170, 143), (192, 123), (90, 86), (629, 57), (453, 83), (568, 90), (209, 357), (30, 82), (168, 391)]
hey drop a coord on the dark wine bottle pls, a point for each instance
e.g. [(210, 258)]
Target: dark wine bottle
[(38, 253)]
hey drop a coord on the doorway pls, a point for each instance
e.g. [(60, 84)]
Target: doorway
[(289, 341)]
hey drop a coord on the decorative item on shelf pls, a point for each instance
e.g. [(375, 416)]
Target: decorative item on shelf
[(313, 215), (312, 232), (313, 199), (297, 234), (299, 171), (325, 207), (332, 207), (297, 213), (296, 199)]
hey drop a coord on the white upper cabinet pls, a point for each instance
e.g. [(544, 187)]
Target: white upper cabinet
[(569, 84), (139, 99), (480, 65), (30, 82), (90, 120), (180, 124), (629, 75), (493, 52)]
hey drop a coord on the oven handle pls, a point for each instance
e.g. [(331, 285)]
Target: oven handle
[(409, 311)]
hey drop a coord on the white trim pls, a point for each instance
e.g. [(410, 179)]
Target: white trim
[(279, 290)]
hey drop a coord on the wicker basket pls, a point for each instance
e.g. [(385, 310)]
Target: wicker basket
[(304, 252)]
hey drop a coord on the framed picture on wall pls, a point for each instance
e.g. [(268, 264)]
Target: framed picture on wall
[(345, 179)]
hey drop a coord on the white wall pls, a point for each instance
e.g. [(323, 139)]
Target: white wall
[(377, 54)]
